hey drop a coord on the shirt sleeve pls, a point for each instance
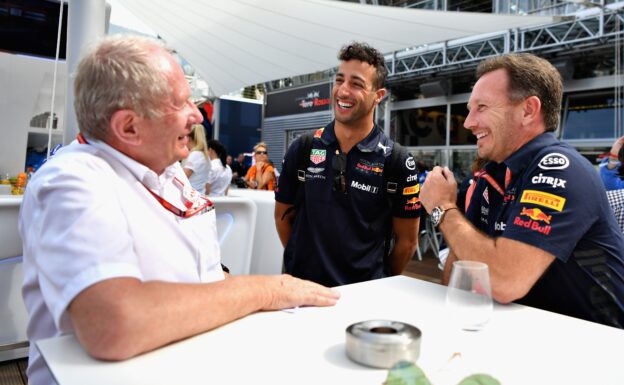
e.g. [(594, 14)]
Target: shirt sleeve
[(406, 201), (610, 178), (193, 161), (287, 184), (76, 233), (553, 208)]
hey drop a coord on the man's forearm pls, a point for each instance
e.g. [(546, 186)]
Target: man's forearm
[(284, 221), (284, 228)]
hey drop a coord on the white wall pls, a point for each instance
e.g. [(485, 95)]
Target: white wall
[(25, 91)]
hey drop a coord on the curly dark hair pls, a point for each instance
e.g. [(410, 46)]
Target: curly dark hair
[(365, 53)]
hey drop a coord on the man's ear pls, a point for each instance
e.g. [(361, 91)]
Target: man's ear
[(532, 109), (124, 127), (379, 95)]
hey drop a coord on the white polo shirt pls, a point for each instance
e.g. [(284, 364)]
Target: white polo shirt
[(87, 216), (219, 178), (197, 162)]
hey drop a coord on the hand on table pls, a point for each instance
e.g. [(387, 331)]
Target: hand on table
[(439, 189), (287, 291)]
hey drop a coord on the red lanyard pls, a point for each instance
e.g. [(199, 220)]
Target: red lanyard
[(204, 207), (195, 206), (483, 174)]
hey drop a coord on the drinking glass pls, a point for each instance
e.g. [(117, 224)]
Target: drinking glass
[(469, 295)]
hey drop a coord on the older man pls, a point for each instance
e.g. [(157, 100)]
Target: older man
[(118, 248), (539, 216)]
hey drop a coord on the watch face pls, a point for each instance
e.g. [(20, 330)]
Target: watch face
[(436, 215)]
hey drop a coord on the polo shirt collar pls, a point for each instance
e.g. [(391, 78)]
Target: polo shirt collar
[(141, 172), (520, 159), (368, 144)]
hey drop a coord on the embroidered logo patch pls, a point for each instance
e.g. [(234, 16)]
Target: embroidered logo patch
[(541, 198), (317, 156), (410, 163), (411, 190), (554, 161)]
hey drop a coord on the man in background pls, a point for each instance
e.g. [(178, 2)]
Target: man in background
[(341, 232), (239, 170), (118, 248), (540, 219)]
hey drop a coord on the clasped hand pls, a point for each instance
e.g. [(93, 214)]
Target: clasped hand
[(439, 189)]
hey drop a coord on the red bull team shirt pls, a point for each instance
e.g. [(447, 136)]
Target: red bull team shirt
[(553, 199)]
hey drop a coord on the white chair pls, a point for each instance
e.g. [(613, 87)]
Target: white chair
[(429, 238), (10, 241), (236, 219), (13, 315), (268, 253)]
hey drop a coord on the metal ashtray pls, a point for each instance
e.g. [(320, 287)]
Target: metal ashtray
[(382, 343)]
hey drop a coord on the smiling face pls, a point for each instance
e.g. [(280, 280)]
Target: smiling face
[(493, 118), (164, 141), (354, 95)]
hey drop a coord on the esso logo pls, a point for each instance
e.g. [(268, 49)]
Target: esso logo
[(410, 163), (554, 161)]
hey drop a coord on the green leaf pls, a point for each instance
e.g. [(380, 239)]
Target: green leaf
[(406, 373), (479, 379)]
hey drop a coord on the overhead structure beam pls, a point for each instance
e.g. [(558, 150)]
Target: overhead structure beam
[(595, 30)]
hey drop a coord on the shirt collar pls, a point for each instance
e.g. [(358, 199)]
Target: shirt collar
[(144, 174), (520, 159), (369, 144)]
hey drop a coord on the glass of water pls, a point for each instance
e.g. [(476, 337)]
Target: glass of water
[(469, 295)]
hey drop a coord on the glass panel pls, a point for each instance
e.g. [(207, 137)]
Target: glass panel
[(430, 157), (461, 163), (421, 126), (459, 134), (589, 116)]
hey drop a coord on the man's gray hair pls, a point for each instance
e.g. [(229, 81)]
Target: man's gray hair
[(119, 74)]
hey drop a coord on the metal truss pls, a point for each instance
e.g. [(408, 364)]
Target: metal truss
[(565, 35)]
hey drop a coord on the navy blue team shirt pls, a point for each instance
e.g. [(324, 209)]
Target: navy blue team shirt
[(555, 200), (340, 238)]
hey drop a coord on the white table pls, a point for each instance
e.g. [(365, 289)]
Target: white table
[(520, 345)]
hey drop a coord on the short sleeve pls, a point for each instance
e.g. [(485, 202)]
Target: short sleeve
[(193, 161), (78, 234), (610, 178), (406, 201), (553, 207)]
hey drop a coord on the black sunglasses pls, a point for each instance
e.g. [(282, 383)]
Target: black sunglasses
[(261, 152), (339, 164)]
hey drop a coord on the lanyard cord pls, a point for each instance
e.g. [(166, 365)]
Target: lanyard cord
[(483, 174), (206, 206)]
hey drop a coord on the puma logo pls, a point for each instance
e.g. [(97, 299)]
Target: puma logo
[(384, 148)]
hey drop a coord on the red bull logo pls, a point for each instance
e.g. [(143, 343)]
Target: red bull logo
[(412, 204), (536, 214), (534, 223)]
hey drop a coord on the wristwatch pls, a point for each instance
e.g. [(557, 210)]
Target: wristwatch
[(437, 214)]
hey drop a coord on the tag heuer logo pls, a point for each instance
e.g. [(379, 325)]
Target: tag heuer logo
[(317, 156)]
